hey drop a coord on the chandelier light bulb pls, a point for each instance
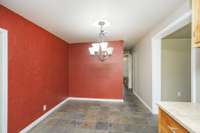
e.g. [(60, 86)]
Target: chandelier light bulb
[(100, 49)]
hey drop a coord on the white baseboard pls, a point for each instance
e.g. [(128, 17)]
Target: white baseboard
[(33, 124), (145, 104), (96, 99)]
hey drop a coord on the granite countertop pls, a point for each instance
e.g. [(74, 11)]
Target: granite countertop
[(186, 114)]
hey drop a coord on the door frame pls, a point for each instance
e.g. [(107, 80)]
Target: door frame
[(156, 59), (4, 79)]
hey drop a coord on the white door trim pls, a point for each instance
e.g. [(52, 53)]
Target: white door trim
[(193, 76), (130, 87), (156, 57), (4, 82)]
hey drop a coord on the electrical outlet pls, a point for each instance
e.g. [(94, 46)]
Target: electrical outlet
[(44, 107), (179, 94)]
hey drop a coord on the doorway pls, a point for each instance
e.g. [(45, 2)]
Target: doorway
[(3, 81), (127, 70), (176, 65), (156, 59)]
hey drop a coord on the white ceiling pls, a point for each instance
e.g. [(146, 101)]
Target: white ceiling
[(73, 20)]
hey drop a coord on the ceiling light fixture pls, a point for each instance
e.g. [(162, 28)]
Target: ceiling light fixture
[(100, 48)]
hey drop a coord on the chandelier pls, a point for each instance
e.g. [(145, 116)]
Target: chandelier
[(100, 48)]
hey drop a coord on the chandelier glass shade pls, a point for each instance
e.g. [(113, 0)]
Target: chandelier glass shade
[(100, 49)]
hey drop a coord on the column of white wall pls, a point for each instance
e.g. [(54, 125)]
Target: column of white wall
[(1, 89), (130, 71), (3, 81)]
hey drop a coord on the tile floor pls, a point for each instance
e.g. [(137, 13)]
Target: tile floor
[(100, 117)]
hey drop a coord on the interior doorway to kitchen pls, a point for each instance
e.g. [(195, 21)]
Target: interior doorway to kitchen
[(157, 59), (176, 65)]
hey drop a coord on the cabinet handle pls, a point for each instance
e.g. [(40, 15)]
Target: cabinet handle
[(172, 129)]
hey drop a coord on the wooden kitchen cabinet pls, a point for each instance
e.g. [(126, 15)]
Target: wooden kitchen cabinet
[(168, 125), (196, 23)]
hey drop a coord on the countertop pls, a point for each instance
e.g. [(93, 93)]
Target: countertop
[(186, 114)]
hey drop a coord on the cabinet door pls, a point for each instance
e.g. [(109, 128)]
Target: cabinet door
[(168, 125), (196, 23)]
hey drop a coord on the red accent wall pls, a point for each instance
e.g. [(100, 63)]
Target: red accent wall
[(91, 78), (38, 69)]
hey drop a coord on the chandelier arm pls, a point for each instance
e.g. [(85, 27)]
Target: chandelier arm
[(102, 50), (103, 56)]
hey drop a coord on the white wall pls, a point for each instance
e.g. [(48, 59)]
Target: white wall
[(143, 72), (197, 51), (143, 56), (1, 104), (125, 67), (133, 71), (3, 81), (129, 71), (176, 70)]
